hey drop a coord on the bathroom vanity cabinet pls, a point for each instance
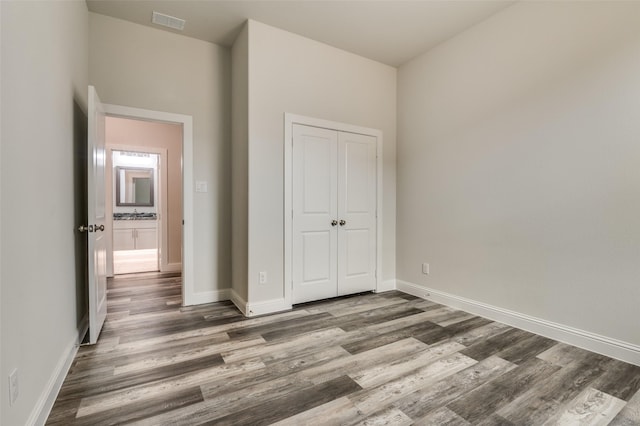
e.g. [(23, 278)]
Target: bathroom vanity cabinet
[(135, 234)]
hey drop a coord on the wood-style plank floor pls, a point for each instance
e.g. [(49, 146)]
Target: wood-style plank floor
[(369, 359)]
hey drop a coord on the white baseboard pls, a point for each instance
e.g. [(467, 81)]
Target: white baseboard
[(172, 267), (240, 303), (610, 347), (247, 309), (43, 406), (266, 307), (387, 285), (208, 297)]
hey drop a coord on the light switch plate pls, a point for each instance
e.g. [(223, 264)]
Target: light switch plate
[(201, 186)]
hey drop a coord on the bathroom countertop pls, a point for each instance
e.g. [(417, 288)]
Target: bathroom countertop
[(135, 216)]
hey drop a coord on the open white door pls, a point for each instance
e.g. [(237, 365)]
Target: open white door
[(97, 257)]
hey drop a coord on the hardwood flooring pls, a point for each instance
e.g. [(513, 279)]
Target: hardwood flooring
[(369, 359)]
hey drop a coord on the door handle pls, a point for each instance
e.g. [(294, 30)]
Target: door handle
[(84, 228), (343, 222), (98, 228), (334, 222)]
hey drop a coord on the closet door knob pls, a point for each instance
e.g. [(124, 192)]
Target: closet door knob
[(343, 222), (334, 222)]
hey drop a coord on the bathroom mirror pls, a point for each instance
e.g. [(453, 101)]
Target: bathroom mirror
[(134, 186)]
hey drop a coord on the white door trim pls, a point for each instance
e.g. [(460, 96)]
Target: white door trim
[(188, 282), (289, 121)]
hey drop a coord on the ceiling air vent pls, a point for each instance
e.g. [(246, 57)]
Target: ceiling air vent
[(168, 21)]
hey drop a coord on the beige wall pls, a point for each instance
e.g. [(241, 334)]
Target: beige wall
[(167, 72), (240, 161), (518, 154), (44, 95), (290, 73), (138, 133)]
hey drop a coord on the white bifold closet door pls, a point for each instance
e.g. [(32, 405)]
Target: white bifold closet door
[(334, 213)]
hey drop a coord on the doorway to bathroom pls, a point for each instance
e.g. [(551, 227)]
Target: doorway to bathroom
[(136, 234), (143, 195)]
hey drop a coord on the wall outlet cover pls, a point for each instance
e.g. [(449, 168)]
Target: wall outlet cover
[(425, 268), (14, 390)]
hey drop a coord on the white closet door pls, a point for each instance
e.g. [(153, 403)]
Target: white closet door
[(315, 255), (356, 213)]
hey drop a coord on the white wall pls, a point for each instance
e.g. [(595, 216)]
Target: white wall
[(240, 161), (290, 73), (44, 81), (172, 73), (518, 154)]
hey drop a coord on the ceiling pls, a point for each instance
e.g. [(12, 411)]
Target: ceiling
[(388, 31)]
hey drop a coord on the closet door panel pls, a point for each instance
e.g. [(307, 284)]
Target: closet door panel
[(357, 208), (314, 259)]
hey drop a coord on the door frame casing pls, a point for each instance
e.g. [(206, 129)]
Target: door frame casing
[(289, 120), (188, 249)]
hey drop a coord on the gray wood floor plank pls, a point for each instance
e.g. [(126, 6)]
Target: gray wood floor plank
[(630, 413), (382, 373), (118, 357), (361, 304), (144, 409), (421, 402), (386, 358), (496, 344), (286, 406), (107, 384), (338, 412), (590, 408), (354, 364), (480, 403), (370, 400), (273, 372), (442, 416), (538, 404), (526, 349), (287, 347), (562, 354), (386, 416), (223, 405), (366, 343), (136, 394), (620, 379), (478, 334)]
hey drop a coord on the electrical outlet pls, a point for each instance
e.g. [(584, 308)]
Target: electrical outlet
[(263, 277), (14, 390), (425, 268)]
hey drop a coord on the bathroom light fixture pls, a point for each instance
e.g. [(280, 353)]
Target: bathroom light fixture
[(168, 21)]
